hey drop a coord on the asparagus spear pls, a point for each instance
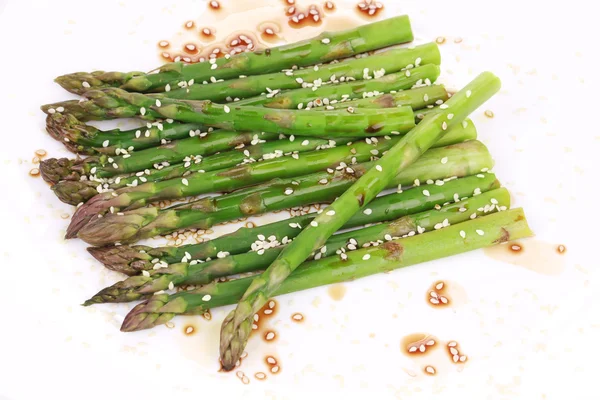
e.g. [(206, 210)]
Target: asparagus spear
[(225, 180), (86, 139), (75, 191), (184, 273), (497, 228), (133, 259), (237, 325), (417, 98), (464, 159), (331, 94), (326, 47), (102, 166), (116, 103)]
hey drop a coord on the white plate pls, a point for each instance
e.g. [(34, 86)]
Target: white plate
[(527, 335)]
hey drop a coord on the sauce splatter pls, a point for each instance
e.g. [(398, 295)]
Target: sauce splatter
[(418, 344), (272, 364), (267, 312), (535, 255), (337, 291), (297, 317), (369, 8), (189, 330), (445, 293), (299, 18), (453, 349)]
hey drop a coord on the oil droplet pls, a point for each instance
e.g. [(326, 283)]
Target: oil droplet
[(189, 330), (337, 291), (261, 376), (297, 317), (535, 255)]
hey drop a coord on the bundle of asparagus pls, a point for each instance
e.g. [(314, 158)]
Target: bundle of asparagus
[(271, 130)]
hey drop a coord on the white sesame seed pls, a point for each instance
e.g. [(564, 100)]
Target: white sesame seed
[(226, 109), (426, 192), (463, 234), (330, 212), (442, 106), (430, 370), (206, 297), (367, 211), (185, 182), (473, 216), (171, 286), (326, 41), (146, 273), (450, 116), (480, 232), (366, 257), (468, 93), (305, 142), (444, 125), (288, 191), (105, 143), (463, 358), (143, 111), (379, 168), (314, 223)]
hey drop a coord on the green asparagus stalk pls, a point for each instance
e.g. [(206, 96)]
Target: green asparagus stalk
[(116, 103), (81, 138), (103, 166), (456, 239), (237, 326), (328, 46), (388, 61), (418, 99), (226, 180), (135, 258), (333, 93), (184, 273), (464, 159)]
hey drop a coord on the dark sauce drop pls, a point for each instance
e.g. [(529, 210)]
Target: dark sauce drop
[(418, 344), (189, 330), (311, 16)]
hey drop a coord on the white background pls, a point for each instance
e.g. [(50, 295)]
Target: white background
[(528, 335)]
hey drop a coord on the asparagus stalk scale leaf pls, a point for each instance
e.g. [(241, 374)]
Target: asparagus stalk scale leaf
[(497, 228), (233, 178), (140, 287), (237, 326), (328, 46), (135, 258), (463, 159)]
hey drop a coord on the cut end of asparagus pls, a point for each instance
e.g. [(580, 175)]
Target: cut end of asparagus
[(74, 192), (147, 315), (129, 260), (54, 170), (112, 228)]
